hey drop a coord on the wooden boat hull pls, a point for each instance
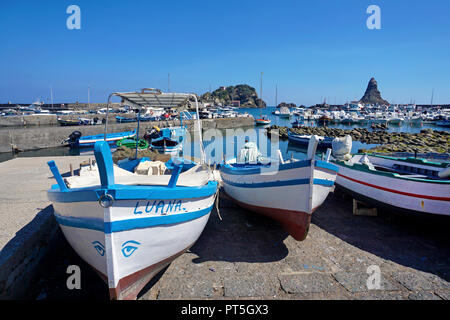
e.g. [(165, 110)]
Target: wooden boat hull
[(395, 193), (128, 233), (288, 194), (298, 139), (262, 121)]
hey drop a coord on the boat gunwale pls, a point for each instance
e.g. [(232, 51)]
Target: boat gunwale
[(422, 161), (131, 192), (364, 168)]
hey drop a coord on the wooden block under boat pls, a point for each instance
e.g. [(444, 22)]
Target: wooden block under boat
[(362, 209)]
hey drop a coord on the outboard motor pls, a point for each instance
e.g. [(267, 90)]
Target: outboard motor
[(95, 120), (74, 138), (151, 134)]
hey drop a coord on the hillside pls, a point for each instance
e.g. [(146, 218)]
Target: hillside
[(243, 93)]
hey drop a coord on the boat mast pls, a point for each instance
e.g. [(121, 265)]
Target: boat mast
[(260, 98), (89, 104), (51, 96), (432, 93)]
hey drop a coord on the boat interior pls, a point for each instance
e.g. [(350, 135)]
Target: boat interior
[(404, 169)]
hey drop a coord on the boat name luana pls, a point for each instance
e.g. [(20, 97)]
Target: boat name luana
[(171, 206)]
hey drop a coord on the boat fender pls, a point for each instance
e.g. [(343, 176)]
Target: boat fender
[(444, 173), (365, 160)]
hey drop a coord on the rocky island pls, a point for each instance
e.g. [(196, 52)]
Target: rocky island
[(245, 94), (372, 94)]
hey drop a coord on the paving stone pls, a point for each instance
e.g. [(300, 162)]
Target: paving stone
[(308, 282), (381, 295), (443, 294), (260, 285), (420, 281), (423, 295), (357, 282)]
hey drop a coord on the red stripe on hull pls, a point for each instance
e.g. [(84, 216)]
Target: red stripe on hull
[(396, 191), (129, 286), (296, 223)]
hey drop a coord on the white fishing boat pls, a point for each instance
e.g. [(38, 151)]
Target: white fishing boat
[(284, 112), (287, 191), (128, 223), (304, 139), (407, 185)]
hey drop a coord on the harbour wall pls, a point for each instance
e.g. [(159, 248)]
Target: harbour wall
[(33, 138)]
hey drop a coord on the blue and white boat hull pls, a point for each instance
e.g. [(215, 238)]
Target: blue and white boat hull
[(128, 233), (288, 192)]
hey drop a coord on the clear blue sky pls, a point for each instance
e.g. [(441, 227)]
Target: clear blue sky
[(311, 49)]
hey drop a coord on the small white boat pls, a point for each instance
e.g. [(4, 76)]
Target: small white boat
[(262, 121), (284, 112), (407, 185), (324, 142), (129, 224), (287, 191)]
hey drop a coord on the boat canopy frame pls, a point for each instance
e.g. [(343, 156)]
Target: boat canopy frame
[(152, 97)]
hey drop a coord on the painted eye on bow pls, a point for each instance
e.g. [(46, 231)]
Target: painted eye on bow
[(129, 247), (99, 247)]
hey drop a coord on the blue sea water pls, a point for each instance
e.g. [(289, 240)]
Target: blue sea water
[(230, 148)]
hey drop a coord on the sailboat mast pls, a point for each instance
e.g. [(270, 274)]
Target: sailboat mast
[(51, 95), (260, 98), (276, 95), (432, 94)]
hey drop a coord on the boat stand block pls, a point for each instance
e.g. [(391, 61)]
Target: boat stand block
[(362, 209)]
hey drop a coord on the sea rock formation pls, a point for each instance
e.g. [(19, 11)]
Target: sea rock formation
[(243, 93), (372, 94), (288, 105)]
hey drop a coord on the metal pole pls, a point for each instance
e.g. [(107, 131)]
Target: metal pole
[(137, 134), (107, 112), (51, 95)]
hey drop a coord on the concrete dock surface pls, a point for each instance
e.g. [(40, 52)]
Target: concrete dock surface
[(26, 219), (245, 255)]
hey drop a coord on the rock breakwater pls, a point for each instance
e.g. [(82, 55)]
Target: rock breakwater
[(428, 140)]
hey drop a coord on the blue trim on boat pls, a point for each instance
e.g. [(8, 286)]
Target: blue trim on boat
[(126, 192), (323, 182), (129, 224), (82, 223), (326, 165), (104, 163), (248, 168)]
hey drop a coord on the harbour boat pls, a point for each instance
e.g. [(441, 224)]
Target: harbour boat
[(284, 112), (169, 140), (408, 185), (443, 123), (262, 121), (324, 120), (125, 120), (129, 226), (297, 123), (324, 142), (287, 191), (76, 140), (395, 120), (68, 122), (128, 222), (131, 143)]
